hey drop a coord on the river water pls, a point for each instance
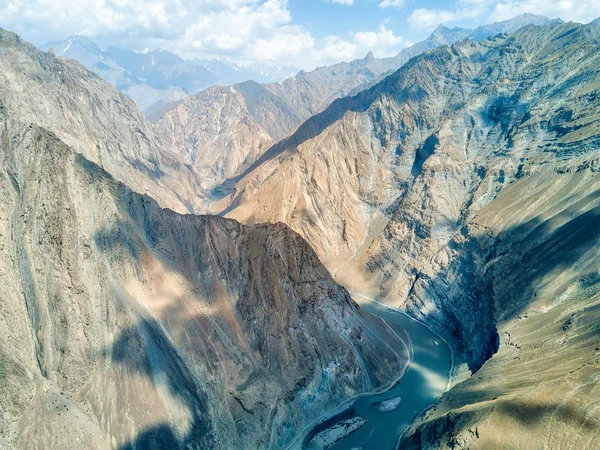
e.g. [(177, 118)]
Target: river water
[(423, 383)]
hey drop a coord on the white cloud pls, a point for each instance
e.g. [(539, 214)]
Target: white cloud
[(466, 11), (243, 30), (285, 44), (250, 30), (380, 42), (335, 49), (427, 19), (392, 4)]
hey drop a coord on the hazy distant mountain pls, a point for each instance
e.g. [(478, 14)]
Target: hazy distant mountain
[(222, 131), (229, 72), (158, 77)]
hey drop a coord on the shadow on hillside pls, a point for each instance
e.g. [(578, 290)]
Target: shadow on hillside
[(513, 267), (519, 258), (494, 278), (452, 426), (144, 349), (150, 168), (537, 248)]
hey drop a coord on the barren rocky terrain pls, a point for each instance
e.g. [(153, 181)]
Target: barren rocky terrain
[(95, 119), (462, 189), (126, 325), (541, 242)]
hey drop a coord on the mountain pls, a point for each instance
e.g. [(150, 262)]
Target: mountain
[(161, 69), (95, 119), (128, 325), (158, 77), (463, 188), (222, 131)]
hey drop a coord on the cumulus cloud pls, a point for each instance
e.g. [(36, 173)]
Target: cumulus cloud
[(392, 4), (380, 42), (465, 11), (243, 30), (251, 30), (427, 19)]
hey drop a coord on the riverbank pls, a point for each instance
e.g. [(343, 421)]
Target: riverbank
[(342, 408), (396, 310), (423, 381)]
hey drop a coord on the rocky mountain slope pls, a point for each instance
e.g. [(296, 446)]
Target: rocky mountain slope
[(222, 131), (536, 249), (95, 119), (462, 189), (155, 78), (126, 325)]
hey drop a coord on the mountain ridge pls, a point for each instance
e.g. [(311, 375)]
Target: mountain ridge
[(157, 77), (383, 119), (463, 189), (61, 95), (192, 125)]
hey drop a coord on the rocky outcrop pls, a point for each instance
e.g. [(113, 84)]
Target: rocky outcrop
[(93, 118), (223, 129), (125, 325)]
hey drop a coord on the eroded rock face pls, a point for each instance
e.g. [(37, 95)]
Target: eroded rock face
[(541, 389), (125, 325), (223, 130), (216, 132), (464, 188), (96, 120)]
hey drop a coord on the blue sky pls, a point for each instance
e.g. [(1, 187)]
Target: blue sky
[(304, 33)]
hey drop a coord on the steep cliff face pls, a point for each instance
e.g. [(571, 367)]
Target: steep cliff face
[(96, 120), (540, 239), (222, 130), (229, 128), (383, 183), (130, 326)]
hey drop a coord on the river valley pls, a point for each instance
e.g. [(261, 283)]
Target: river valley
[(375, 422)]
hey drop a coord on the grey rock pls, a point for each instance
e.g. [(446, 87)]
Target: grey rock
[(463, 189), (95, 119)]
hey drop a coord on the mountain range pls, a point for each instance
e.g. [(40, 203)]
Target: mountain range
[(129, 325), (157, 77), (463, 188), (457, 182), (223, 130)]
